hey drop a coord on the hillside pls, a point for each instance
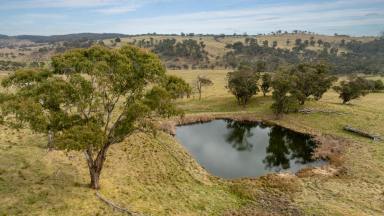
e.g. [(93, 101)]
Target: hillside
[(191, 51)]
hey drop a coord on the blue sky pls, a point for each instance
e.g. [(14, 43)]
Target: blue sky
[(49, 17)]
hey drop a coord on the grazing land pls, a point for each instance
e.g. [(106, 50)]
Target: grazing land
[(154, 175), (36, 51)]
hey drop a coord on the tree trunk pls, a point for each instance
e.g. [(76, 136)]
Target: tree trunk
[(199, 89), (95, 176), (50, 140), (96, 165)]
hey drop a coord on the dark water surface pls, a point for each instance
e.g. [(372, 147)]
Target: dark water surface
[(231, 149)]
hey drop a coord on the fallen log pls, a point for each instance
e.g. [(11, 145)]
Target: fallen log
[(309, 111), (362, 133), (114, 206)]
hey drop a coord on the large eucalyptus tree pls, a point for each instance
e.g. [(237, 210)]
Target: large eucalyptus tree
[(93, 98)]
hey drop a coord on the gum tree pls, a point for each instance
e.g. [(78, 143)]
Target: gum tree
[(92, 99), (266, 83), (311, 80), (352, 89), (242, 83), (284, 93), (202, 82)]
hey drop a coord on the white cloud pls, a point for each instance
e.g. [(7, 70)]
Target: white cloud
[(266, 18), (105, 6), (324, 17), (117, 10)]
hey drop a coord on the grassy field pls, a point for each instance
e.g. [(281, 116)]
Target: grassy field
[(156, 176)]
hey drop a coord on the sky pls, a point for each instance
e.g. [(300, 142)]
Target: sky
[(54, 17)]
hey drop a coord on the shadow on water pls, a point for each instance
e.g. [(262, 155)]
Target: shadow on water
[(233, 149)]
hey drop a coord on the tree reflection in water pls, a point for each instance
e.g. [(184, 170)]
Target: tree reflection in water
[(239, 134), (285, 146)]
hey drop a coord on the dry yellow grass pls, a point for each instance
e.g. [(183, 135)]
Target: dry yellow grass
[(156, 176)]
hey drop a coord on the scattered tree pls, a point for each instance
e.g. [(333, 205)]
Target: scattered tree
[(243, 83), (202, 82), (320, 42), (265, 43), (311, 80), (298, 42), (266, 84), (379, 85), (177, 87), (349, 90), (274, 44), (283, 85)]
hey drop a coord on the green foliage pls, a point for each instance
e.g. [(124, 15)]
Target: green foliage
[(284, 96), (11, 65), (188, 48), (177, 87), (311, 80), (379, 85), (25, 77), (243, 83), (95, 98), (352, 89), (266, 83), (360, 57), (91, 137)]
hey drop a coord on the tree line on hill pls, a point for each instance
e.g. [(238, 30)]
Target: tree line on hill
[(11, 65), (177, 54), (67, 37), (358, 58)]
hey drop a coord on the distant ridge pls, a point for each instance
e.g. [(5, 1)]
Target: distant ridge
[(4, 36), (67, 37)]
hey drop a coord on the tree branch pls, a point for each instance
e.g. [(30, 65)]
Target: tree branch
[(115, 206)]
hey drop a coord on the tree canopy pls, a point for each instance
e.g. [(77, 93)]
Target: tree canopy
[(243, 83), (92, 98), (352, 89), (284, 85), (200, 83), (266, 83), (311, 80)]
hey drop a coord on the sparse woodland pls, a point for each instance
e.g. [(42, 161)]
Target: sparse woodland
[(94, 113)]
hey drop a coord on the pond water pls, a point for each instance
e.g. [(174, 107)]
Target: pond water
[(232, 149)]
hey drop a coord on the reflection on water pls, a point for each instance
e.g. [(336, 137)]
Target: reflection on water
[(239, 135), (232, 149)]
